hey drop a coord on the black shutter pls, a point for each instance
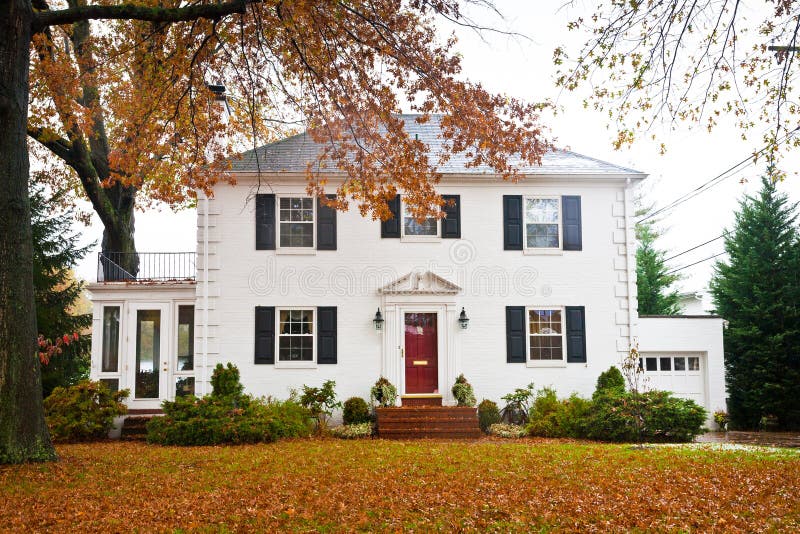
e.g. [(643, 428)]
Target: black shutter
[(512, 222), (326, 226), (391, 228), (515, 334), (571, 219), (576, 334), (326, 334), (451, 224), (265, 222), (265, 334)]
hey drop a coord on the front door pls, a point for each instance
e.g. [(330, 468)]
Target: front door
[(421, 353), (148, 341)]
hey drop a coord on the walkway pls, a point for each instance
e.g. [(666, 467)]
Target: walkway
[(768, 439)]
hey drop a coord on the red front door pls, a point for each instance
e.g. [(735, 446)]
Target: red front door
[(422, 369)]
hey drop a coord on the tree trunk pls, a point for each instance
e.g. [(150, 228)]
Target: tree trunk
[(23, 433), (119, 246)]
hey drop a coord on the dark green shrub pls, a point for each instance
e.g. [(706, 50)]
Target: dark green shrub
[(84, 411), (610, 381), (612, 418), (463, 393), (542, 415), (671, 419), (215, 420), (355, 411), (488, 414), (225, 381)]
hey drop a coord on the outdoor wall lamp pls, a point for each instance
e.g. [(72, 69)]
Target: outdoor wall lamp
[(463, 320), (378, 321)]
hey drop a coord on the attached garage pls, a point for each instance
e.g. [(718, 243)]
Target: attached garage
[(683, 354), (681, 373)]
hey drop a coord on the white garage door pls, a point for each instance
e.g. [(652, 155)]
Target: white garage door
[(681, 373)]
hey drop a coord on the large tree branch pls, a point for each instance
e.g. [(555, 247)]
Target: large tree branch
[(55, 144), (46, 18)]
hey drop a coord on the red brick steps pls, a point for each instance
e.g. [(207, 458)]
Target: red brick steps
[(411, 422)]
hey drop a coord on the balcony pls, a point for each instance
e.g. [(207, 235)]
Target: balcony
[(142, 267)]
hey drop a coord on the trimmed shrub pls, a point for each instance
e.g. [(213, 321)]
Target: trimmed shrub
[(488, 414), (610, 381), (463, 393), (217, 420), (355, 411), (84, 411), (356, 431), (669, 418), (225, 381), (383, 393), (227, 416)]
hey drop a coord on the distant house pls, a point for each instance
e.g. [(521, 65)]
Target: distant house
[(695, 303), (521, 282)]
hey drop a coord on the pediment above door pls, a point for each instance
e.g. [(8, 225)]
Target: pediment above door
[(420, 283)]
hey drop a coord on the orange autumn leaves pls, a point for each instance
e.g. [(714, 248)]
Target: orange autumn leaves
[(126, 101), (375, 485)]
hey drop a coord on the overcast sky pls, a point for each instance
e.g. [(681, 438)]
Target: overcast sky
[(523, 68)]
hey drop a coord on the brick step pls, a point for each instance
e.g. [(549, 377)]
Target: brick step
[(401, 411), (134, 427), (445, 433), (412, 427)]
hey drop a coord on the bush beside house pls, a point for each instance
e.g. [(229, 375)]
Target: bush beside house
[(84, 411), (228, 416)]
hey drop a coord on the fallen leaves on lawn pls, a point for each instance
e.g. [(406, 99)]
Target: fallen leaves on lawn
[(375, 485)]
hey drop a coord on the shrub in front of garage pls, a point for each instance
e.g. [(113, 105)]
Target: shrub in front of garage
[(614, 414)]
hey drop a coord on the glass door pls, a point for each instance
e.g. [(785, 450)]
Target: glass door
[(150, 353)]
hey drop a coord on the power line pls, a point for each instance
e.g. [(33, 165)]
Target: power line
[(695, 263), (695, 247), (738, 167)]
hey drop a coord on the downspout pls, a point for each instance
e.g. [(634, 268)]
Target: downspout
[(205, 294)]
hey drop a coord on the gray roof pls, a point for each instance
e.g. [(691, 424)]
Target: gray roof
[(294, 153)]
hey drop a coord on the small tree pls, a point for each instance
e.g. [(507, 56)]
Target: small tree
[(637, 383), (653, 280), (58, 293), (757, 290), (320, 402)]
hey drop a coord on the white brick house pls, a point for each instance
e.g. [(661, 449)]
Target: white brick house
[(288, 290)]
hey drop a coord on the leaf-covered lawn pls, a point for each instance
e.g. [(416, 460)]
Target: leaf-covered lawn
[(371, 485)]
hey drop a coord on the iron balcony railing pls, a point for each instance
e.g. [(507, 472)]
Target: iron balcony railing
[(146, 266)]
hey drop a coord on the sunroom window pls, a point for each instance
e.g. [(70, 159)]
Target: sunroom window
[(110, 356)]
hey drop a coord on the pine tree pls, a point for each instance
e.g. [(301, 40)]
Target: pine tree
[(652, 279), (757, 290), (55, 252)]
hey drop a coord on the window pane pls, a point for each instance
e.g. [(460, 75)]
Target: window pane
[(184, 386), (541, 210), (651, 364), (298, 234), (296, 340), (666, 364), (545, 348), (148, 353), (428, 227), (545, 321), (694, 364), (542, 235), (680, 364), (185, 338), (110, 363), (112, 383)]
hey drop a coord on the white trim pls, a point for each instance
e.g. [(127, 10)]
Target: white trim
[(290, 364), (542, 250), (175, 373), (545, 363), (279, 249), (120, 340)]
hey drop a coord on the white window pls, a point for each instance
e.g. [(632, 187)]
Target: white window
[(428, 228), (543, 223), (296, 337), (296, 222), (184, 362), (546, 344)]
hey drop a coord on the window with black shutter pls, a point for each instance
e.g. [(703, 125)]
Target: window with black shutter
[(571, 222), (265, 335), (326, 226), (265, 221), (391, 228), (326, 335), (451, 224), (515, 334), (576, 334), (512, 222)]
